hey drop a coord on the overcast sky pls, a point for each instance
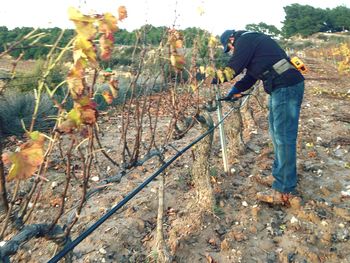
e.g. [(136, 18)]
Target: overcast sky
[(218, 14)]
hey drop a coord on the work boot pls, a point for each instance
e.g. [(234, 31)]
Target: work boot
[(266, 180), (274, 197)]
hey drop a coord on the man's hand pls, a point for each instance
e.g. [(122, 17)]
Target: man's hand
[(233, 95), (234, 92)]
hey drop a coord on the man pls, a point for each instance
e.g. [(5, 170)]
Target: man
[(265, 60)]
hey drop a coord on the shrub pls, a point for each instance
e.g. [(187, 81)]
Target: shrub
[(18, 107), (28, 80)]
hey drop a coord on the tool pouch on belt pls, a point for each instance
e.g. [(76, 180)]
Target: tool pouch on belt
[(268, 82), (276, 70)]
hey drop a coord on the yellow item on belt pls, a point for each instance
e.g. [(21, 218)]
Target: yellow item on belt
[(298, 64)]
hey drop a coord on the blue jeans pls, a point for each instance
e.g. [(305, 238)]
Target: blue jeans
[(284, 106)]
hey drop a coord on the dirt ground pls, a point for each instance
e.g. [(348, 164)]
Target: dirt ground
[(241, 229)]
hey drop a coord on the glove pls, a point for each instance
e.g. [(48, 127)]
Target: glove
[(233, 92)]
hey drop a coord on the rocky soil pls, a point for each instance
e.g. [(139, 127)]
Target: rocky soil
[(240, 229)]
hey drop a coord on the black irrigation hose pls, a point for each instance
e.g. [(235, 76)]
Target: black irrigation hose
[(92, 228)]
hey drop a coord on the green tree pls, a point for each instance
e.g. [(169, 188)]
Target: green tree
[(40, 49), (262, 27), (339, 18), (3, 37), (304, 20), (123, 37)]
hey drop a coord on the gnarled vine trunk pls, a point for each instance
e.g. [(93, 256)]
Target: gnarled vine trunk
[(162, 250), (200, 169), (234, 134), (56, 234)]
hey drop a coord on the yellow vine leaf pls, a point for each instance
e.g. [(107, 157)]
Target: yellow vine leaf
[(84, 50), (72, 121), (229, 73), (309, 145), (212, 41), (106, 46), (107, 95), (75, 15), (177, 61), (122, 13), (173, 60), (84, 112), (114, 87), (88, 115), (87, 108), (35, 135), (83, 101), (178, 43), (84, 24), (194, 87), (75, 81), (220, 76), (75, 115), (210, 72), (108, 24), (200, 10), (175, 41), (87, 30), (27, 160), (67, 126), (343, 53)]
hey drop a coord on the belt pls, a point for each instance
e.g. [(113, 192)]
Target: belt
[(279, 67)]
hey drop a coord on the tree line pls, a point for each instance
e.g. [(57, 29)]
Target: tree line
[(304, 20), (307, 20)]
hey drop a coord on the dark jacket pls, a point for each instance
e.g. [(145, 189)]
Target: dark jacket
[(257, 52)]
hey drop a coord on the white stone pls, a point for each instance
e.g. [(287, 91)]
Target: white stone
[(294, 220), (345, 193), (102, 251), (95, 178), (54, 184)]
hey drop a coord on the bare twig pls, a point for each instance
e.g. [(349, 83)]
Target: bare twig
[(68, 179), (87, 163), (102, 148), (9, 211), (4, 206)]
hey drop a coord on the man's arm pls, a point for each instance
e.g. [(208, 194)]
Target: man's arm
[(244, 51), (245, 83)]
